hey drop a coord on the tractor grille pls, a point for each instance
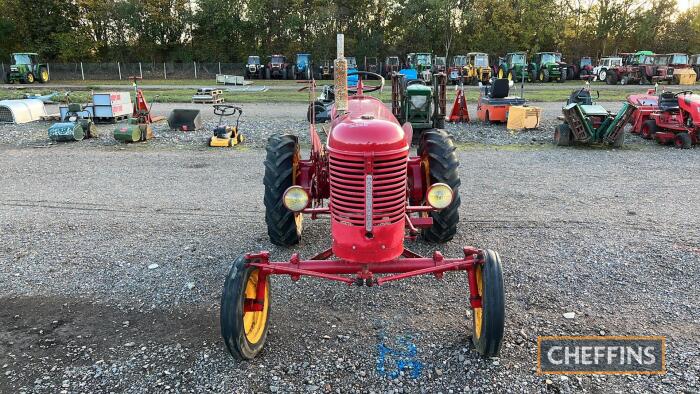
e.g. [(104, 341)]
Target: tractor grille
[(388, 187), (6, 115)]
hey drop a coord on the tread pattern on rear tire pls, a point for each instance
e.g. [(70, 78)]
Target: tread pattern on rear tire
[(438, 147), (281, 153)]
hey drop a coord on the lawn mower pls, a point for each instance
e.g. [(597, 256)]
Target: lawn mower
[(673, 118), (225, 135), (76, 125), (377, 196), (585, 122), (138, 126), (494, 102)]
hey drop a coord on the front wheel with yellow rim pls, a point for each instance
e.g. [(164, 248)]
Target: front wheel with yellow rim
[(489, 320), (244, 332)]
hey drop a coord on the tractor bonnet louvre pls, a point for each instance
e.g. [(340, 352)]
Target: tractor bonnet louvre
[(349, 181)]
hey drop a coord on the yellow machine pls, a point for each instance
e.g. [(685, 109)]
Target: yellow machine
[(477, 69), (684, 76), (225, 135)]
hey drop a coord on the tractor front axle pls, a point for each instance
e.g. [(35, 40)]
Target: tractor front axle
[(408, 265)]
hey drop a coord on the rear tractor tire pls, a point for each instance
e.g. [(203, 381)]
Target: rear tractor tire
[(283, 226), (489, 320), (437, 152), (611, 78), (43, 75), (244, 333), (562, 135)]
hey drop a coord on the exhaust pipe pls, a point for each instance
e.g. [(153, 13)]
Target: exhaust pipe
[(341, 77)]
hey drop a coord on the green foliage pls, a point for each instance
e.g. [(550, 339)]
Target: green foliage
[(230, 30)]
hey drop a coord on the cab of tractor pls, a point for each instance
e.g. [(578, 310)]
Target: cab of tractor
[(377, 195), (302, 67), (392, 64), (546, 66), (253, 68), (420, 103), (478, 69), (514, 66)]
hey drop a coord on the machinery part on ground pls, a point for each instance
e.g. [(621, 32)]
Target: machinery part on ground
[(138, 126), (591, 123), (489, 320), (26, 68), (226, 135), (21, 111), (494, 101), (513, 67), (439, 161), (244, 324), (185, 119), (281, 170), (375, 195), (76, 125)]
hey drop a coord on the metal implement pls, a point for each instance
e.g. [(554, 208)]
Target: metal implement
[(225, 135), (75, 125), (138, 126)]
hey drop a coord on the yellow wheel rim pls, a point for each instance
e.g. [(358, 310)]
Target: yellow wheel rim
[(542, 76), (510, 75), (45, 75), (478, 312), (500, 73), (30, 78), (254, 323)]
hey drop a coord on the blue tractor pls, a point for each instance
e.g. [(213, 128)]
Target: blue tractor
[(302, 68)]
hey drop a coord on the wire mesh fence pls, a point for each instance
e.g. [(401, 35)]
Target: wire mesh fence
[(122, 71)]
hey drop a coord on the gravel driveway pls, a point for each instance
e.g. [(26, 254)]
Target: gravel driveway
[(112, 259)]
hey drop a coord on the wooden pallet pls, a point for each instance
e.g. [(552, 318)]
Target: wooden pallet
[(51, 117), (210, 91), (208, 101)]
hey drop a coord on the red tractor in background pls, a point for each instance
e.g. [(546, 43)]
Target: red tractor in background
[(278, 68), (377, 195), (636, 67), (581, 69), (669, 118)]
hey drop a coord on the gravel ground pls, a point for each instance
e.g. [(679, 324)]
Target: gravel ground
[(112, 259)]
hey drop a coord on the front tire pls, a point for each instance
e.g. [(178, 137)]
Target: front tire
[(438, 158), (603, 75), (283, 225), (43, 75), (489, 320), (683, 141), (562, 135), (244, 333)]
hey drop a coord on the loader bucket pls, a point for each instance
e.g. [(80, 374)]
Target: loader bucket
[(684, 76), (185, 119), (21, 111)]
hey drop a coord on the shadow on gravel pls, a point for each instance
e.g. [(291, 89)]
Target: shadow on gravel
[(65, 329)]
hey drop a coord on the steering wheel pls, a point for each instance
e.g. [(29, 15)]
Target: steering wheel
[(683, 92), (369, 89), (226, 110)]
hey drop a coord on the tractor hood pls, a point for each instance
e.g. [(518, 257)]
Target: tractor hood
[(368, 126)]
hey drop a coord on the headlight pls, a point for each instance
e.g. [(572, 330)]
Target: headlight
[(295, 198), (439, 195)]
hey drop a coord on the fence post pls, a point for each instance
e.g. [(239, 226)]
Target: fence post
[(165, 71), (219, 67), (82, 72), (140, 71), (48, 69), (195, 70), (3, 69), (119, 67)]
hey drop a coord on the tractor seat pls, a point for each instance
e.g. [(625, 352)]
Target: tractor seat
[(499, 88), (668, 102), (582, 97)]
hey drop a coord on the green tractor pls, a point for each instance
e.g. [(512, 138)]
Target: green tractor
[(547, 66), (513, 67), (422, 62), (420, 103), (25, 68)]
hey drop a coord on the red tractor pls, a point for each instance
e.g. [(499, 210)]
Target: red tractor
[(670, 118), (377, 195), (637, 67)]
